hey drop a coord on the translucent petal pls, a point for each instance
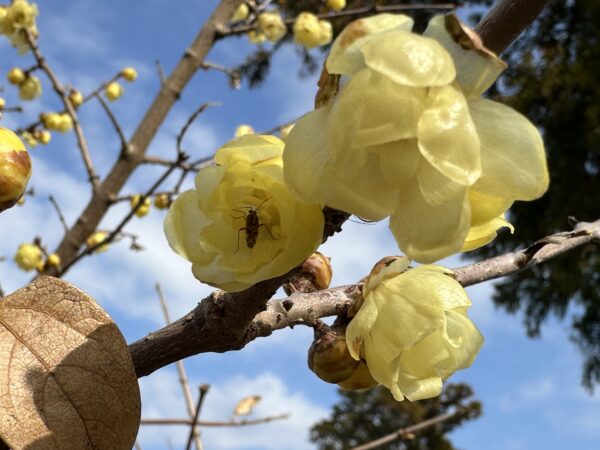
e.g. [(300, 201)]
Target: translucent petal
[(398, 162), (421, 360), (476, 69), (373, 110), (360, 326), (435, 187), (486, 207), (419, 388), (382, 370), (427, 233), (463, 340), (253, 148), (512, 152), (485, 233), (182, 226), (345, 57), (447, 136), (409, 59)]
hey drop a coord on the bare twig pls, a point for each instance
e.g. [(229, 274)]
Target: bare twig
[(205, 423), (203, 391), (69, 108), (161, 73), (114, 122), (234, 75), (183, 379), (404, 432), (190, 121), (61, 217)]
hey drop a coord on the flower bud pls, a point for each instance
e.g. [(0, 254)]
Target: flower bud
[(315, 275), (242, 130), (129, 73), (311, 32), (29, 139), (256, 37), (328, 356), (2, 103), (43, 136), (241, 13), (336, 5), (28, 257), (65, 122), (360, 379), (113, 91), (162, 201), (144, 208), (272, 26), (53, 260), (31, 88), (15, 168), (15, 76), (95, 238), (51, 120), (76, 98)]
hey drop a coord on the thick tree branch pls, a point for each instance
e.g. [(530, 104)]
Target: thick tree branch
[(228, 321), (100, 201)]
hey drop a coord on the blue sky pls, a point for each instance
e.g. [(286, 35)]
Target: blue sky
[(530, 388)]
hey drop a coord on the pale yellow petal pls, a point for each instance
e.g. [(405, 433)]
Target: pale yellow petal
[(398, 162), (447, 136), (486, 207), (409, 59), (435, 187), (485, 233), (476, 70), (463, 340), (512, 152), (345, 57), (360, 326), (253, 148), (427, 233), (419, 388)]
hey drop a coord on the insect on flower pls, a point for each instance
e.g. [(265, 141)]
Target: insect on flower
[(252, 224)]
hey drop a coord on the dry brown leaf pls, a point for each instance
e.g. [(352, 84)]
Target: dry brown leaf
[(246, 405), (66, 377)]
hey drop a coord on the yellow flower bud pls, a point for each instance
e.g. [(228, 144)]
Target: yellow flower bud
[(65, 122), (29, 257), (272, 26), (242, 130), (51, 121), (256, 37), (31, 88), (43, 136), (144, 208), (129, 73), (242, 225), (15, 76), (3, 29), (96, 238), (15, 168), (20, 15), (2, 103), (113, 91), (28, 138), (336, 5), (241, 13), (412, 329), (53, 260), (76, 98), (162, 201), (315, 275), (311, 32), (408, 136)]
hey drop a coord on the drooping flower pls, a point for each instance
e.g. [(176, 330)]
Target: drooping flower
[(144, 208), (241, 224), (271, 25), (401, 131), (95, 239), (412, 328), (29, 257), (311, 32), (30, 88)]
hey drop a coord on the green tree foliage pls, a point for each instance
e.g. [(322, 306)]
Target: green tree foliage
[(553, 79), (361, 417)]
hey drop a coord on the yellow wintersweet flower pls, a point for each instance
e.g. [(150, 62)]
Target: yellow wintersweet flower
[(271, 25), (53, 260), (43, 136), (243, 130), (144, 208), (29, 139), (311, 32), (29, 257), (15, 76), (15, 168), (241, 225), (96, 238), (31, 88), (76, 98), (113, 91), (162, 201), (19, 15), (256, 37), (65, 122), (412, 329), (406, 134)]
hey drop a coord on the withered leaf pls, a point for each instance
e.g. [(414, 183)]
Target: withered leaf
[(66, 377), (245, 406)]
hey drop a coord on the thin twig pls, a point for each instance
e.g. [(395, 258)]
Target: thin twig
[(205, 423), (203, 391), (183, 379), (114, 122), (61, 217), (190, 121), (403, 432), (69, 108), (161, 73), (235, 77)]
